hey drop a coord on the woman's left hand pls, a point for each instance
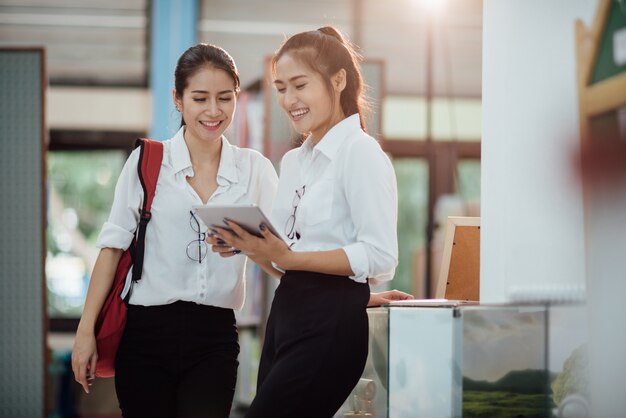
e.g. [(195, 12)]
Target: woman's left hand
[(238, 239), (381, 298)]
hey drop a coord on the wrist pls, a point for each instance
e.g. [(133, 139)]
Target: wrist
[(285, 260), (86, 328)]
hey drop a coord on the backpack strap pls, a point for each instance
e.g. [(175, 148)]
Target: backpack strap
[(148, 168)]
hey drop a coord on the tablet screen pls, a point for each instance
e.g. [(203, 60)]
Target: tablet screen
[(248, 216)]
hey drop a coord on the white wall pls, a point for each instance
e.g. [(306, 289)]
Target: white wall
[(606, 264), (532, 211), (103, 108)]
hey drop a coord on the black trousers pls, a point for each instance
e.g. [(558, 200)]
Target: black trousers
[(177, 360), (315, 346)]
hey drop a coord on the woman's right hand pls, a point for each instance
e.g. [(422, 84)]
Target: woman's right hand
[(84, 353), (381, 298), (84, 357)]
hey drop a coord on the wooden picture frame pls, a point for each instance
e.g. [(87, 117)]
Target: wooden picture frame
[(459, 276), (601, 91)]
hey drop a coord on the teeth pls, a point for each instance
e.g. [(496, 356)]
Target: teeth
[(211, 124), (299, 112)]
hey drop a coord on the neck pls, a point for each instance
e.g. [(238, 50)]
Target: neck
[(316, 137), (203, 152)]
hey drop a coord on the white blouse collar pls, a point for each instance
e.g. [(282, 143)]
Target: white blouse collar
[(181, 159)]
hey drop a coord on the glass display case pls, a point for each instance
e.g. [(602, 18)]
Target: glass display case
[(473, 361)]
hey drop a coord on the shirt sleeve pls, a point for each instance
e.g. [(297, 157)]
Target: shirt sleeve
[(268, 184), (118, 231), (371, 191)]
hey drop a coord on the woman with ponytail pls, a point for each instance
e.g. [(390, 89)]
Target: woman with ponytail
[(337, 204)]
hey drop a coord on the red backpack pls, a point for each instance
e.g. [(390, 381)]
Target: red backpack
[(112, 318)]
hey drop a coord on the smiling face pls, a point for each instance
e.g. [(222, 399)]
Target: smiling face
[(207, 104), (303, 94)]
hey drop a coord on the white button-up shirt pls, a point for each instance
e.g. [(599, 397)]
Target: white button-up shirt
[(169, 275), (350, 200)]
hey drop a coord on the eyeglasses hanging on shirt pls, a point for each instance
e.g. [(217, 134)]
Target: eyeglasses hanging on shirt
[(197, 249), (290, 226)]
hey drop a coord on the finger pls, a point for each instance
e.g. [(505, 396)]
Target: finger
[(224, 234), (227, 254), (92, 367), (241, 233), (399, 295), (75, 367), (225, 249), (265, 231), (270, 237), (222, 248), (214, 240), (82, 378), (230, 252)]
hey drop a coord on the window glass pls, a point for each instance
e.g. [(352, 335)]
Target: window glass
[(412, 176), (404, 118), (79, 194), (469, 180)]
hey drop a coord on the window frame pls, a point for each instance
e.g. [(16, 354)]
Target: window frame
[(80, 141), (442, 158)]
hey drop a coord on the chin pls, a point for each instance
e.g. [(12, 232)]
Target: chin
[(210, 138), (302, 130)]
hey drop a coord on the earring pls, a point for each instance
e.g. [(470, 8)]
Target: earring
[(178, 109)]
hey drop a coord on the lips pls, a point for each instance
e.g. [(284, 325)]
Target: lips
[(298, 114), (213, 125)]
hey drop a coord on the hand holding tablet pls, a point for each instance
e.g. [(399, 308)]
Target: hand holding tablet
[(248, 216)]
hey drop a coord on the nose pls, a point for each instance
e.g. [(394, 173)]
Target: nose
[(213, 108), (290, 97)]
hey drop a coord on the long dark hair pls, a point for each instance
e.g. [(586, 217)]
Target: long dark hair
[(326, 51), (197, 57)]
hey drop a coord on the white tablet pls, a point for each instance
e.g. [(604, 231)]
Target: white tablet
[(248, 216)]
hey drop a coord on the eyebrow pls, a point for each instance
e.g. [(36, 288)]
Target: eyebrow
[(206, 92), (294, 78)]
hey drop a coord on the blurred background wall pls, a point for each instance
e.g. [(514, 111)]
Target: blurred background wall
[(110, 72), (109, 76), (475, 102)]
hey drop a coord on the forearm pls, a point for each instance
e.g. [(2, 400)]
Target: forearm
[(328, 262), (99, 287)]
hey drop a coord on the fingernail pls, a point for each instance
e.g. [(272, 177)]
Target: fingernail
[(226, 220), (213, 231), (262, 227), (236, 251)]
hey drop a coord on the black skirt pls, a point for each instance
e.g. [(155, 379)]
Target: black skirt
[(315, 346)]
